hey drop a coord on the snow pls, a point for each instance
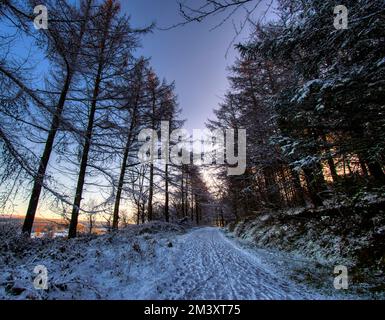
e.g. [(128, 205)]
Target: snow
[(307, 161), (317, 240), (56, 234), (152, 261), (211, 266), (381, 62), (304, 91), (122, 265)]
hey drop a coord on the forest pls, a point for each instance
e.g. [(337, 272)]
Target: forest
[(76, 131), (307, 87)]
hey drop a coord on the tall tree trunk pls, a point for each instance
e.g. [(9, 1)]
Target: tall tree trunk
[(115, 221), (166, 201), (272, 190), (150, 193), (234, 203), (183, 191), (143, 212), (298, 190), (363, 165), (196, 210), (374, 168), (333, 170), (332, 166), (138, 213), (39, 179), (285, 188), (186, 197), (376, 171), (349, 167), (192, 205), (87, 143), (316, 184), (83, 166), (222, 220)]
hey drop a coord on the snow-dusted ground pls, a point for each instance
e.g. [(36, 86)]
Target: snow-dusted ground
[(154, 261), (211, 266)]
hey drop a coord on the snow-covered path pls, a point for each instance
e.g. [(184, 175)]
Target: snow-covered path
[(156, 261), (210, 266)]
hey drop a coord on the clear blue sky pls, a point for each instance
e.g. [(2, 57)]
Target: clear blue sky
[(191, 55)]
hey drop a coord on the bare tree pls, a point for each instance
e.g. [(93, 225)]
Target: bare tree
[(109, 49), (134, 104), (60, 43)]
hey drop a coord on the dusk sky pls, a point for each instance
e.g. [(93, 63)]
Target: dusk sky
[(192, 55)]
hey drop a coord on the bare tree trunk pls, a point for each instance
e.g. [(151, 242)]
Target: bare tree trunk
[(91, 222), (192, 205), (143, 213), (90, 126), (363, 166), (83, 165), (315, 183), (185, 212), (330, 160), (296, 181), (376, 171), (196, 210), (39, 179), (151, 193), (333, 170), (151, 190), (183, 191), (115, 221), (271, 187), (138, 213), (166, 201), (222, 220), (349, 167)]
